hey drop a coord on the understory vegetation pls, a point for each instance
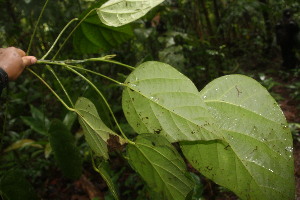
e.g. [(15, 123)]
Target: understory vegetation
[(149, 100)]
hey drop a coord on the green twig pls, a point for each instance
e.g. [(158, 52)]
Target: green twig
[(63, 44), (101, 59), (55, 94), (61, 85), (35, 28), (62, 63), (58, 37)]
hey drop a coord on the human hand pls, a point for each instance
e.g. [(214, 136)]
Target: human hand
[(14, 60)]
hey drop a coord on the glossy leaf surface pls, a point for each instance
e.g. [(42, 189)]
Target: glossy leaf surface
[(161, 166), (159, 99), (121, 12), (255, 158)]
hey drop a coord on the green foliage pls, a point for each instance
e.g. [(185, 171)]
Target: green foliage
[(159, 99), (92, 36), (14, 185), (232, 131), (66, 153), (38, 122), (121, 12), (160, 165), (95, 131)]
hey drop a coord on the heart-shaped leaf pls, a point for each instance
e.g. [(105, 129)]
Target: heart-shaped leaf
[(95, 131), (255, 158), (121, 12), (161, 166), (159, 99)]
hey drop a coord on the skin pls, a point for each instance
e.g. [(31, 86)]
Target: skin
[(13, 61)]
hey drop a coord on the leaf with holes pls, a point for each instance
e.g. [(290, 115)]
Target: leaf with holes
[(121, 12), (161, 166), (95, 131), (159, 99), (255, 158)]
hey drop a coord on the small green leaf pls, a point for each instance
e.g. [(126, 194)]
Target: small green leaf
[(38, 122), (95, 131), (22, 143), (159, 99), (65, 151), (121, 12), (102, 170), (161, 166), (255, 158)]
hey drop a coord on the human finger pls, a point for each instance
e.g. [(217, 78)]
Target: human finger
[(28, 60), (20, 52)]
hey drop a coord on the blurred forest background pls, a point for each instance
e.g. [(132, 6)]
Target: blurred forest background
[(204, 39)]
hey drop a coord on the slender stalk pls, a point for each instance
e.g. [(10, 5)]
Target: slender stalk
[(61, 63), (111, 61), (101, 59), (61, 85), (55, 94), (96, 73), (104, 99), (63, 44), (35, 28), (58, 37)]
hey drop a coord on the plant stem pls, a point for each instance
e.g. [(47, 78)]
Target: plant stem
[(63, 44), (61, 85), (99, 74), (61, 63), (105, 101), (35, 28), (58, 37), (55, 94), (110, 61), (101, 59)]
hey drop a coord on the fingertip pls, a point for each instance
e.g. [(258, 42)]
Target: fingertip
[(33, 60)]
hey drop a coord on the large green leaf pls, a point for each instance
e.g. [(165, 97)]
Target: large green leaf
[(65, 151), (159, 99), (92, 36), (95, 131), (161, 166), (255, 159), (121, 12)]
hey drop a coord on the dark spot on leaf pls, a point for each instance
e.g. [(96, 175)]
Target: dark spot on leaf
[(226, 148), (157, 131), (114, 143), (153, 143), (209, 168)]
